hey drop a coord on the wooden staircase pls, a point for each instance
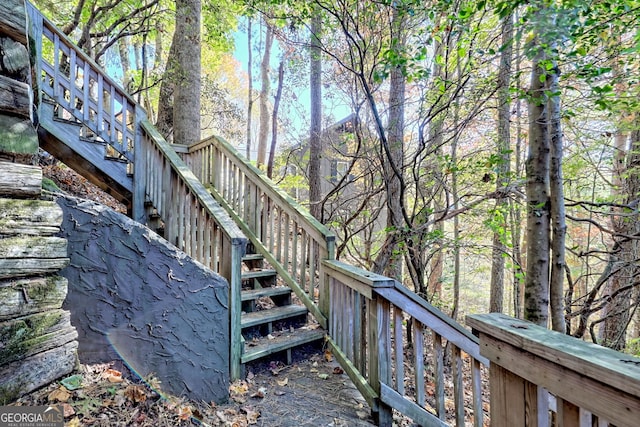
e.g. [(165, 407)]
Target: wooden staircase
[(271, 320)]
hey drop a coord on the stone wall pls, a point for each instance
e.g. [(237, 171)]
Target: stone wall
[(136, 298)]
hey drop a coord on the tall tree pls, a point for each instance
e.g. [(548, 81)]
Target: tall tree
[(499, 247), (186, 111), (315, 129), (265, 72)]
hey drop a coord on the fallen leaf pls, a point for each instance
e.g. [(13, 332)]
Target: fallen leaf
[(185, 412), (252, 414), (73, 382), (67, 410), (338, 370), (60, 394), (323, 376), (73, 423), (271, 337), (112, 376), (284, 382), (328, 356), (136, 393)]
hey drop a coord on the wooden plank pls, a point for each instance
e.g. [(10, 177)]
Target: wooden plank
[(507, 398), (263, 317), (418, 361), (418, 414), (23, 267), (13, 20), (254, 294), (591, 360), (21, 297), (568, 414), (619, 407), (398, 349), (264, 347), (438, 356), (15, 97), (458, 386), (18, 180), (476, 387)]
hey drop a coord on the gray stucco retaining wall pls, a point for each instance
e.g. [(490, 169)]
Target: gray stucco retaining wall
[(135, 297)]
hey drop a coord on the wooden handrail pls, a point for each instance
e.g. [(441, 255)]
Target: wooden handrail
[(292, 240), (588, 384), (82, 91), (373, 319)]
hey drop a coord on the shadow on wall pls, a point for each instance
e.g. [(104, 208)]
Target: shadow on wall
[(134, 297)]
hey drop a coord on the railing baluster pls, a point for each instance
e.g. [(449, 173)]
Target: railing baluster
[(438, 355), (458, 386), (398, 345), (418, 361)]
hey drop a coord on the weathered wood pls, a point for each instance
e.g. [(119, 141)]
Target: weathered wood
[(507, 398), (23, 267), (25, 375), (29, 335), (29, 217), (591, 360), (33, 247), (419, 415), (18, 180), (26, 296), (15, 98), (601, 398), (13, 20)]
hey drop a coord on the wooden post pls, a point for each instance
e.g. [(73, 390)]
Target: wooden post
[(380, 354)]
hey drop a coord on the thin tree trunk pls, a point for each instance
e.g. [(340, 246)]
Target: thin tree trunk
[(250, 89), (536, 303), (164, 121), (558, 223), (265, 68), (496, 298), (315, 131), (395, 132), (274, 121)]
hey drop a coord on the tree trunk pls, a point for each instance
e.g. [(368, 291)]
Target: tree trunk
[(536, 298), (395, 132), (186, 111), (250, 89), (499, 248), (315, 131), (274, 120), (558, 223), (265, 68)]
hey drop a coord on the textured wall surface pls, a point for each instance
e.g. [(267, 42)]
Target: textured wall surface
[(135, 297)]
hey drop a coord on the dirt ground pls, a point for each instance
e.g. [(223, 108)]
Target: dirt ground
[(312, 391)]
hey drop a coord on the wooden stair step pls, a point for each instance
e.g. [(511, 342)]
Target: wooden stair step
[(265, 347), (255, 274), (252, 257), (263, 317), (254, 294)]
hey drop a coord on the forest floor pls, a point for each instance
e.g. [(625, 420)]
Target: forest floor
[(312, 391)]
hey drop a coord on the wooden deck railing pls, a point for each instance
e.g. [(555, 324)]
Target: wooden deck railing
[(192, 219), (392, 344), (543, 378), (289, 238)]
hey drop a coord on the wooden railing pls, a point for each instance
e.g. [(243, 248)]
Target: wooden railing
[(289, 238), (543, 378), (192, 219), (385, 336)]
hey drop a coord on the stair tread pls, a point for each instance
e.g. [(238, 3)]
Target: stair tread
[(252, 257), (258, 273), (264, 346), (264, 292), (256, 318)]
